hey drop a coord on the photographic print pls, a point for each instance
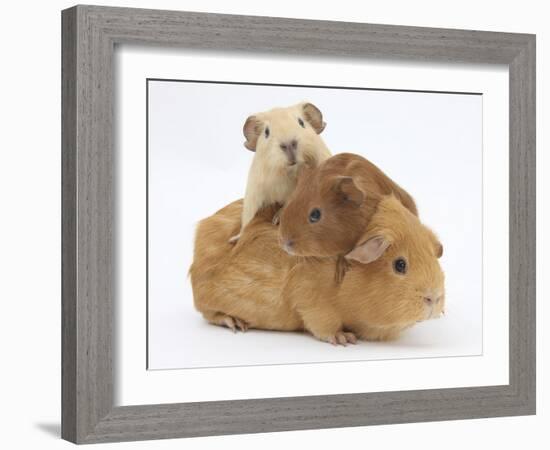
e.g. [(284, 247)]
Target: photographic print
[(310, 224), (266, 234)]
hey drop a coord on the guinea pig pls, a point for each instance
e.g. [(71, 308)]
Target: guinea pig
[(332, 204), (284, 140), (395, 279), (225, 278)]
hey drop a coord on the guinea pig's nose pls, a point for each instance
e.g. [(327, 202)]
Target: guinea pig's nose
[(290, 149), (432, 300), (287, 246)]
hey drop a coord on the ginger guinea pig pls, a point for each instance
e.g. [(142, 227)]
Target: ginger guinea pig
[(284, 140), (332, 205), (394, 281)]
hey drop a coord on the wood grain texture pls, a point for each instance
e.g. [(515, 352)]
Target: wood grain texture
[(89, 36), (68, 226), (522, 282), (88, 210)]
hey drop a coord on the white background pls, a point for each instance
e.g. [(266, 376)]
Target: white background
[(430, 143), (30, 228)]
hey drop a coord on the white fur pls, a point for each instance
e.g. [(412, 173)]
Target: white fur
[(271, 179)]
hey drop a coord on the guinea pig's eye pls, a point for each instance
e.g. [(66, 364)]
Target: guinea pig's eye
[(400, 265), (266, 132), (301, 122), (314, 215)]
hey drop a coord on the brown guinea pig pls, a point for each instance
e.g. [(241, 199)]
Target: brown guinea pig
[(395, 279), (332, 204)]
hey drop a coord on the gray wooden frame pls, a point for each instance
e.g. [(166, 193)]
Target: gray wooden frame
[(89, 36)]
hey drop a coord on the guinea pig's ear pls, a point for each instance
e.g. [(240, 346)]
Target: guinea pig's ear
[(370, 250), (314, 116), (251, 130), (347, 191)]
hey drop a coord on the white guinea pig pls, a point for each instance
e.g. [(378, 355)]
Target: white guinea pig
[(283, 139)]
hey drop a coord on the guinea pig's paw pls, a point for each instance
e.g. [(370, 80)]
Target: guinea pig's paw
[(234, 239), (342, 338), (277, 217), (235, 324)]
